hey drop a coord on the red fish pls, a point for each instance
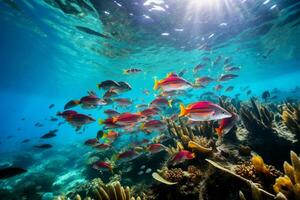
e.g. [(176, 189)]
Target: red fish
[(150, 112), (156, 148), (203, 111), (99, 165), (128, 118), (127, 155), (161, 102), (153, 125), (204, 80), (92, 101), (182, 156), (102, 146), (227, 77), (171, 82), (79, 120), (226, 125), (66, 114), (109, 123), (123, 101), (91, 142), (111, 113)]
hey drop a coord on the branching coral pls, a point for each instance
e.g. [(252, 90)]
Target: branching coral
[(97, 190), (188, 139), (257, 118), (263, 134), (291, 118), (289, 184)]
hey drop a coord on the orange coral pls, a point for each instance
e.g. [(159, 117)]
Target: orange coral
[(283, 185), (259, 164)]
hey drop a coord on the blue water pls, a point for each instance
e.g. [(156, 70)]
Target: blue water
[(46, 60)]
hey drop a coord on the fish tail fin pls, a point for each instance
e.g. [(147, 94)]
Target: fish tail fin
[(114, 120), (155, 87), (58, 114), (170, 103), (125, 71), (183, 111), (101, 121), (142, 127), (219, 131)]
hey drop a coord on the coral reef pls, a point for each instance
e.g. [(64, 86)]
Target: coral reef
[(291, 118), (258, 172), (97, 190), (192, 137), (263, 134), (289, 184)]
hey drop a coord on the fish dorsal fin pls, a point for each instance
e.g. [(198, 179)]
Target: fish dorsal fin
[(172, 74)]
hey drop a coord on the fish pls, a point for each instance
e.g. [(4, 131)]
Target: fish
[(48, 135), (153, 125), (227, 124), (218, 87), (38, 124), (181, 157), (71, 104), (92, 101), (123, 101), (198, 67), (226, 77), (92, 32), (100, 165), (109, 123), (149, 112), (227, 60), (128, 118), (111, 113), (161, 102), (172, 82), (127, 155), (108, 84), (229, 89), (51, 106), (65, 114), (110, 134), (123, 87), (156, 148), (53, 119), (102, 146), (43, 146), (248, 92), (11, 172), (265, 95), (91, 142), (110, 93), (132, 71), (231, 68), (205, 80), (79, 120), (26, 141), (203, 111)]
